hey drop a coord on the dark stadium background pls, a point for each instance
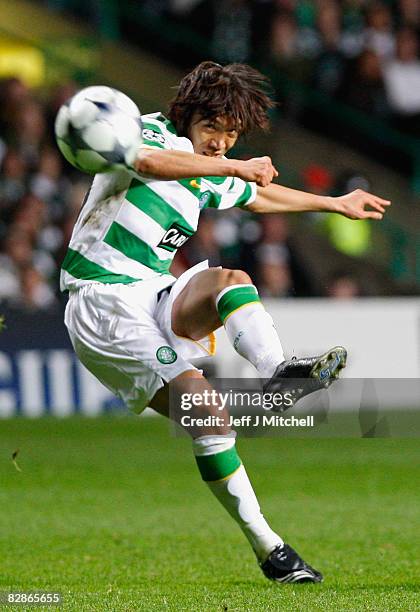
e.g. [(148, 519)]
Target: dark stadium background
[(338, 125)]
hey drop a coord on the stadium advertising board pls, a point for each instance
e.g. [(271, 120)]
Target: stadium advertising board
[(40, 374)]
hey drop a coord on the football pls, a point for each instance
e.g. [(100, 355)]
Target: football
[(98, 128)]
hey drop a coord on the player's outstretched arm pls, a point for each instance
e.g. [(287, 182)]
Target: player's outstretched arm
[(355, 205), (173, 165)]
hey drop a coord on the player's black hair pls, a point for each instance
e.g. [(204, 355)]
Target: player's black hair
[(236, 91)]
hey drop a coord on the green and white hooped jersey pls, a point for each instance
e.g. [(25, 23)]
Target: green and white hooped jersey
[(130, 227)]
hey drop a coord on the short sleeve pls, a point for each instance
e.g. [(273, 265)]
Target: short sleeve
[(226, 192)]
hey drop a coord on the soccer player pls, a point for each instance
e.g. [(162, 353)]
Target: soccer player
[(137, 328)]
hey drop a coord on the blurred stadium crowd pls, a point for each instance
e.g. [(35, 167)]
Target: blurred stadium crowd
[(362, 52), (39, 198)]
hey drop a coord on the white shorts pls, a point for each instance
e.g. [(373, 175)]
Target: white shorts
[(123, 335)]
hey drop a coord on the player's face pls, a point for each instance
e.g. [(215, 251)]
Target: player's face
[(213, 137)]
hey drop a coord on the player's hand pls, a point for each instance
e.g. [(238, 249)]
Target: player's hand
[(258, 169), (361, 205)]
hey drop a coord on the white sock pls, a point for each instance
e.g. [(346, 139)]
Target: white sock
[(251, 330), (235, 491), (237, 496)]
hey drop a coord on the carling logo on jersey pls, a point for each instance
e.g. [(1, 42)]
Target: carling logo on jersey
[(174, 237)]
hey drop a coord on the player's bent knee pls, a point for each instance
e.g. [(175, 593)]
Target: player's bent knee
[(182, 378), (231, 277)]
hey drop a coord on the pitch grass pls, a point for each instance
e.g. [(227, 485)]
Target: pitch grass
[(111, 512)]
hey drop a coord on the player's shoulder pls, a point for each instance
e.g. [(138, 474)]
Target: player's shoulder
[(220, 184), (159, 122), (225, 192), (216, 183), (158, 130)]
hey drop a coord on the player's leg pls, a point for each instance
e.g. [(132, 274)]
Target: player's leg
[(218, 296), (221, 468), (214, 447)]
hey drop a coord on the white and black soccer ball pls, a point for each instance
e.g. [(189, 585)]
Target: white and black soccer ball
[(98, 128)]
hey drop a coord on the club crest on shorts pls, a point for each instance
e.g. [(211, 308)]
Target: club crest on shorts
[(174, 237), (166, 355)]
